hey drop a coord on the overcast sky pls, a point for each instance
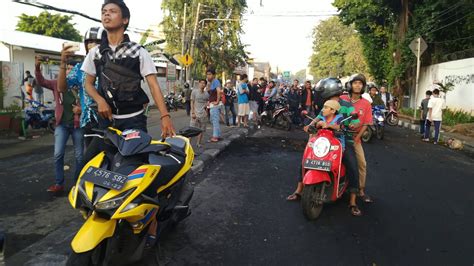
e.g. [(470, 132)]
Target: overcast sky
[(278, 31)]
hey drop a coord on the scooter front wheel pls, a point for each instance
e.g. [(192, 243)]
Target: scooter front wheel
[(367, 136), (392, 119), (311, 201)]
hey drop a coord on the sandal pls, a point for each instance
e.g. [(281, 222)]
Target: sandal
[(294, 197), (355, 211), (213, 140), (365, 198)]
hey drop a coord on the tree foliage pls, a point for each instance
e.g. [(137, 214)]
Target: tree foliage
[(337, 50), (387, 27), (58, 26), (218, 43)]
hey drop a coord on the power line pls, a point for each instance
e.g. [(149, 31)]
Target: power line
[(448, 24), (463, 38)]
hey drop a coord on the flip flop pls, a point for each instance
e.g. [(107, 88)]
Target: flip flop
[(365, 198), (294, 197), (355, 211)]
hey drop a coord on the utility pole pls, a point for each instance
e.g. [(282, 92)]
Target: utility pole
[(183, 36), (193, 40), (418, 63)]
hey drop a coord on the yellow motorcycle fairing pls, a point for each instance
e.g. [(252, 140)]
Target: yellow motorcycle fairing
[(92, 232)]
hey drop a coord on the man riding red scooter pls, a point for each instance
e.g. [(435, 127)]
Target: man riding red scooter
[(329, 166)]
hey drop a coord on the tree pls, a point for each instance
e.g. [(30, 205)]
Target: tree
[(337, 50), (300, 75), (49, 25), (218, 43)]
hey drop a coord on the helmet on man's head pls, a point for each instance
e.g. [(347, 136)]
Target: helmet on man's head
[(371, 85), (359, 77), (93, 34), (329, 87)]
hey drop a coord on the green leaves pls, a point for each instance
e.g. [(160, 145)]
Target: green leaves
[(337, 50), (49, 25), (218, 43)]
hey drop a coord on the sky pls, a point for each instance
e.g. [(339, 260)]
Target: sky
[(276, 31)]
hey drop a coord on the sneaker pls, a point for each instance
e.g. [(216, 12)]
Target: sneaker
[(435, 143), (55, 188), (426, 140)]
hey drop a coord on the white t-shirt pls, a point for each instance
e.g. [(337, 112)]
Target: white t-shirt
[(437, 105), (147, 67), (366, 96)]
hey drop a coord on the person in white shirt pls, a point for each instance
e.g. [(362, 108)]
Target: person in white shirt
[(435, 116)]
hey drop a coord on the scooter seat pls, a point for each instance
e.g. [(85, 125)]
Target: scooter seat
[(169, 168)]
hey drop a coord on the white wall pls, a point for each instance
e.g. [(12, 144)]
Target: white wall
[(460, 73), (4, 52)]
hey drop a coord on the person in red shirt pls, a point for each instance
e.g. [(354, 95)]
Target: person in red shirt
[(356, 85)]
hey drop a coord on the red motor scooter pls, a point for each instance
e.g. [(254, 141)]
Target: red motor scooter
[(324, 175)]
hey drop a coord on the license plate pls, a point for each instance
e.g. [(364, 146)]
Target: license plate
[(317, 165), (105, 178)]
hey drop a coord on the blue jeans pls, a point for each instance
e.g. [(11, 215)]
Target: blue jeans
[(230, 109), (61, 135), (437, 127), (215, 116)]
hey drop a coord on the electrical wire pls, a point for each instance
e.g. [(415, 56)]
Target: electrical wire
[(448, 24)]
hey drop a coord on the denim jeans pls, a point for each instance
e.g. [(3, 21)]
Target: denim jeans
[(230, 109), (216, 127), (61, 135), (437, 127)]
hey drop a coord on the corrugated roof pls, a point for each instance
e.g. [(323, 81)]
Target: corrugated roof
[(35, 41)]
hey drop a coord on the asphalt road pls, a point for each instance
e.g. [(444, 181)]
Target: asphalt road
[(422, 215)]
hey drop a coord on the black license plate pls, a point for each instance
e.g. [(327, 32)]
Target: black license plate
[(317, 165), (105, 178)]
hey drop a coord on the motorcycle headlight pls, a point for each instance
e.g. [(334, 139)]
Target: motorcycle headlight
[(380, 119), (113, 203), (321, 147)]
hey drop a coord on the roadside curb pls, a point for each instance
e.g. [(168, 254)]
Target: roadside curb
[(54, 248), (468, 146)]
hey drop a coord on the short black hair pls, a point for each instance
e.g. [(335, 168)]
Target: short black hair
[(211, 70), (205, 81), (27, 72), (244, 76), (123, 8), (255, 79), (262, 78), (428, 93), (436, 91)]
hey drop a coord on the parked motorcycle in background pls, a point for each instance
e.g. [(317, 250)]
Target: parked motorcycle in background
[(38, 115), (170, 102), (276, 114), (378, 125)]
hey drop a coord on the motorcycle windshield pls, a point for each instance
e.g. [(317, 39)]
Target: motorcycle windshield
[(133, 141)]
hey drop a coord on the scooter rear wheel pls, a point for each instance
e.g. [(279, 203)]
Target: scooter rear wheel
[(310, 201), (380, 132)]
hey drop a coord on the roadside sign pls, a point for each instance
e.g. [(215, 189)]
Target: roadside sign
[(286, 74), (170, 72), (414, 46), (186, 59)]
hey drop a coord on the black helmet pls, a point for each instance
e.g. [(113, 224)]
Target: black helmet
[(359, 77), (93, 34), (371, 85), (186, 85), (329, 87)]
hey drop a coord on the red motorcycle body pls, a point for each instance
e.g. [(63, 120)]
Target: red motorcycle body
[(325, 164)]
